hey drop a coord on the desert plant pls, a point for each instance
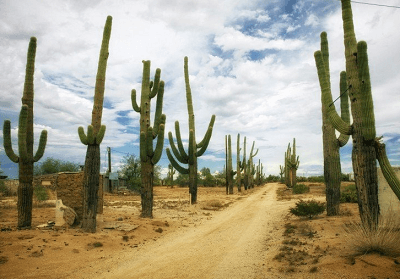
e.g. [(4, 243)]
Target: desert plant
[(308, 208), (366, 147), (229, 171), (291, 165), (331, 144), (195, 149), (26, 159), (94, 137), (40, 193), (148, 155), (170, 175), (349, 194), (383, 240), (239, 165), (300, 189)]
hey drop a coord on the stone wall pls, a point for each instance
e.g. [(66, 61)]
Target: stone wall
[(70, 191), (65, 186), (388, 201)]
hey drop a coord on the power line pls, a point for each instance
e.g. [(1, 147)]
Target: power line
[(373, 4)]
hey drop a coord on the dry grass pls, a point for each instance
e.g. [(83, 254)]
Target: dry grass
[(384, 240)]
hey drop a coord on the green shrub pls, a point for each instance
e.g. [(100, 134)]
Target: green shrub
[(300, 189), (40, 193), (309, 208), (349, 194)]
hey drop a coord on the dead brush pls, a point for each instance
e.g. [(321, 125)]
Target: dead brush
[(213, 205), (383, 240)]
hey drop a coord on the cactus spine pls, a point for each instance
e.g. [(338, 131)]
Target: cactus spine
[(195, 149), (149, 156), (94, 137), (229, 172), (366, 148), (26, 159), (331, 144)]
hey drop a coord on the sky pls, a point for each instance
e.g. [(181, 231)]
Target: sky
[(251, 63)]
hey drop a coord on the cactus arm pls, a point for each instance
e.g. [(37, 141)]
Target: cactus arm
[(143, 147), (179, 142), (42, 146), (90, 135), (204, 140), (155, 85), (133, 100), (82, 136), (100, 134), (365, 82), (158, 115), (344, 107), (22, 133), (175, 150), (101, 77), (159, 145), (8, 143), (191, 147), (149, 142), (175, 164), (333, 116), (387, 169)]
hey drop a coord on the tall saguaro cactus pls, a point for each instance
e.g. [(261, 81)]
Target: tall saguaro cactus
[(229, 171), (195, 149), (366, 147), (26, 159), (331, 144), (94, 137), (239, 164), (170, 175), (148, 155), (250, 167)]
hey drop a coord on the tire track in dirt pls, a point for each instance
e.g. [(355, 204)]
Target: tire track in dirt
[(231, 245)]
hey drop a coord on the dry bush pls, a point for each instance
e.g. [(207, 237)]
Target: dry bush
[(384, 240), (213, 205)]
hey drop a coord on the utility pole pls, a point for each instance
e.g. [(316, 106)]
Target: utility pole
[(109, 169)]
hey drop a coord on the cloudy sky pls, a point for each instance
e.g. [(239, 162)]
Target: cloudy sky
[(251, 64)]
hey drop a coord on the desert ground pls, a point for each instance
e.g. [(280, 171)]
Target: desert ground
[(249, 234)]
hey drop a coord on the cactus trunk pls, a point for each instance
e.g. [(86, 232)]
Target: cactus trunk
[(331, 144), (195, 150), (148, 156), (229, 172), (26, 158), (94, 137), (239, 167), (363, 155)]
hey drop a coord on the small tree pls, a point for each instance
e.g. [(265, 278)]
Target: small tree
[(51, 165), (131, 172)]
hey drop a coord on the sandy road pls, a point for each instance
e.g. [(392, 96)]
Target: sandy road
[(231, 245)]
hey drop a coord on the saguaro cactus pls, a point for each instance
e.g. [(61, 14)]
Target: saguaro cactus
[(366, 148), (239, 165), (25, 159), (94, 137), (251, 168), (149, 156), (291, 164), (170, 175), (331, 144), (195, 149), (229, 171)]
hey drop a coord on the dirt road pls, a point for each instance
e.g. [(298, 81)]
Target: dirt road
[(231, 245)]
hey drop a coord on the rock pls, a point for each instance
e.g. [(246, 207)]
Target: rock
[(64, 214)]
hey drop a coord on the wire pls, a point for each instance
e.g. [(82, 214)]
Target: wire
[(373, 4)]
